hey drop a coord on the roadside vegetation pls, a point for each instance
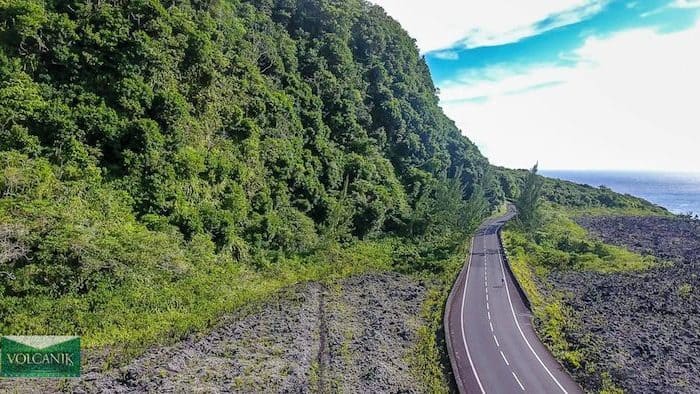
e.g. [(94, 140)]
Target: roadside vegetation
[(430, 361), (558, 243), (529, 201)]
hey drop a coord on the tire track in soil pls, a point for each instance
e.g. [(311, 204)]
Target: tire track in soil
[(323, 357)]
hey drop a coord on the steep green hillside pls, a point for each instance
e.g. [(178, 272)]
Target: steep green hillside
[(245, 122), (164, 162)]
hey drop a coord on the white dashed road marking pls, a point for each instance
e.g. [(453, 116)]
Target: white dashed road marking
[(518, 380), (504, 358)]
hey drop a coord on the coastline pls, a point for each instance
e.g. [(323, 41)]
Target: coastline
[(675, 191)]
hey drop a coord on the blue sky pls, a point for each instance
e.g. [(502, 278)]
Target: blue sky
[(575, 84)]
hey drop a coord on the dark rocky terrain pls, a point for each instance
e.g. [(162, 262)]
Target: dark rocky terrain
[(668, 238), (353, 336), (645, 325)]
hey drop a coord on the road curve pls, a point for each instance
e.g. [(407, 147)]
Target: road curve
[(492, 344)]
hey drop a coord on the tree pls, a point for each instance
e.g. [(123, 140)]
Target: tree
[(529, 200)]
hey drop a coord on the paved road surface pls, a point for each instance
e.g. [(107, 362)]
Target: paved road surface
[(494, 348)]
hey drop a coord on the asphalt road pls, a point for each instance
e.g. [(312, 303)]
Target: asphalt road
[(493, 345)]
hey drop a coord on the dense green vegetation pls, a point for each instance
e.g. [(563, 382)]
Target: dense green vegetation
[(164, 162), (529, 200), (560, 244)]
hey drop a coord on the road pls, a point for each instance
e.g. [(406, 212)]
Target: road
[(493, 345)]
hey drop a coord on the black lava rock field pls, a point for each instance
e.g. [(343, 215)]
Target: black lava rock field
[(645, 325)]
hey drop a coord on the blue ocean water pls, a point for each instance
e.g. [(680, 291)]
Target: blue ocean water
[(677, 192)]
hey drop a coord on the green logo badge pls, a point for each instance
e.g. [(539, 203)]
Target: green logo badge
[(40, 357)]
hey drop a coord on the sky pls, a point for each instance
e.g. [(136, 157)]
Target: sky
[(573, 84)]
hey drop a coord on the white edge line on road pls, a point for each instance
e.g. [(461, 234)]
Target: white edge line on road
[(518, 380), (491, 325), (461, 319), (489, 314), (496, 340), (504, 358), (512, 310)]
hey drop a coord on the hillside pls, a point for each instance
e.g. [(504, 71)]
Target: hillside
[(153, 141), (575, 196), (166, 162)]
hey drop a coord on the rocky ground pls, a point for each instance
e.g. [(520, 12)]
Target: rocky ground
[(646, 325), (353, 336)]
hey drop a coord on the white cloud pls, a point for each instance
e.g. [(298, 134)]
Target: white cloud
[(446, 55), (479, 37), (686, 4), (631, 103), (501, 80), (439, 24)]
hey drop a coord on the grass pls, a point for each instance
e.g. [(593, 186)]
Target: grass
[(560, 243), (553, 317), (314, 377), (685, 290), (429, 360), (149, 310)]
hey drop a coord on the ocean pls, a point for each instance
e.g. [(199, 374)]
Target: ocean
[(677, 192)]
